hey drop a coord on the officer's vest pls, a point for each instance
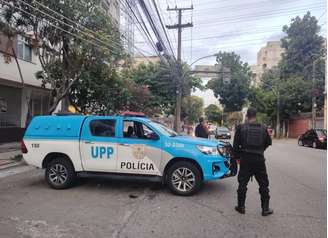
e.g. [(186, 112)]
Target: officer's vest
[(253, 138)]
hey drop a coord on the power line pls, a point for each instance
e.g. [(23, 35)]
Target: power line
[(143, 27), (59, 28), (163, 27), (66, 24), (76, 23), (236, 7), (229, 34), (70, 33), (243, 18)]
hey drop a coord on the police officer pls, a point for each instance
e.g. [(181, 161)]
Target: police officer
[(250, 141), (201, 129)]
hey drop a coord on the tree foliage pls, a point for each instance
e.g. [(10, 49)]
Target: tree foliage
[(231, 86), (213, 113), (160, 79), (291, 81), (304, 47), (192, 108), (302, 44), (68, 52)]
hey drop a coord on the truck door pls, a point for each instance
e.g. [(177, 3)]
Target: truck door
[(98, 144), (139, 149)]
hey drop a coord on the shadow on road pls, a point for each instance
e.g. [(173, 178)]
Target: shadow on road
[(110, 185)]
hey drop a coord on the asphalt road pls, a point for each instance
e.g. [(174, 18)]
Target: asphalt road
[(111, 208)]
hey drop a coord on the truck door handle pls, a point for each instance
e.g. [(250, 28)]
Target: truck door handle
[(88, 142), (123, 144)]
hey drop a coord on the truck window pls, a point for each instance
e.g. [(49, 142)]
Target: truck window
[(104, 128), (135, 129)]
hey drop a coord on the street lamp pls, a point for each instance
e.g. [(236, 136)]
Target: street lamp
[(179, 91)]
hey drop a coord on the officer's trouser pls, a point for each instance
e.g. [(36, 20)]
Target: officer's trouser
[(248, 168)]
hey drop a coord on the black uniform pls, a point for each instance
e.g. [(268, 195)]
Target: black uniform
[(200, 131), (250, 142)]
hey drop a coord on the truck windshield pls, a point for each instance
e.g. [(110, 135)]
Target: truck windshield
[(163, 129)]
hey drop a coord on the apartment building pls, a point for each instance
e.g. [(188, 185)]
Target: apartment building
[(21, 95), (267, 57)]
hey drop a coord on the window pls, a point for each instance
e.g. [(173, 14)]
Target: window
[(24, 49), (104, 128), (137, 130), (3, 105)]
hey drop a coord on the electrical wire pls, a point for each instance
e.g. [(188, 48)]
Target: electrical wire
[(66, 24), (246, 18), (61, 29), (143, 27), (163, 27), (70, 33)]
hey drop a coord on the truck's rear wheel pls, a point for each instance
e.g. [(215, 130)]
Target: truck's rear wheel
[(60, 173), (184, 178)]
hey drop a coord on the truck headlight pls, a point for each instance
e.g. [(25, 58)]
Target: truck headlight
[(208, 150)]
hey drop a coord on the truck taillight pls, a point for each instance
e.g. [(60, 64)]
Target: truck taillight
[(23, 147)]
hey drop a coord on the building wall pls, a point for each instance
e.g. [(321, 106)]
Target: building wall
[(138, 60), (19, 100), (267, 58), (112, 8), (10, 116), (297, 127), (270, 55)]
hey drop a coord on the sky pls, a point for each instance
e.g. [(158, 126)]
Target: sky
[(242, 26)]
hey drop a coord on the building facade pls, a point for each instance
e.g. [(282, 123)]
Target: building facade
[(267, 58), (138, 60), (21, 95)]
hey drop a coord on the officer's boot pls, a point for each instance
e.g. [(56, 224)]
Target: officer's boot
[(241, 203), (266, 211)]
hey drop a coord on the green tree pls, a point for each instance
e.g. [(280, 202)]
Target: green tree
[(231, 86), (160, 79), (303, 46), (192, 108), (294, 95), (68, 52), (213, 113)]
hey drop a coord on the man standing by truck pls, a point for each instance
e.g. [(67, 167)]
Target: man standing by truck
[(250, 141), (202, 129)]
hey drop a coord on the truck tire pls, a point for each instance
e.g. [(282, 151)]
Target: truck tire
[(184, 178), (60, 173)]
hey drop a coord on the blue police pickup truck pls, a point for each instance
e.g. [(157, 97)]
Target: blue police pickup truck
[(74, 145)]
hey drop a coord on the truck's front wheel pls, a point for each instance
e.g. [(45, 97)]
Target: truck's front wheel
[(60, 173), (184, 178)]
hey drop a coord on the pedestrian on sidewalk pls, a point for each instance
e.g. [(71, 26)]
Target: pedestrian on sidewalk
[(250, 141), (202, 129)]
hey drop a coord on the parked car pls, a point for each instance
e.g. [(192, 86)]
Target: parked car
[(222, 133), (317, 138), (71, 146)]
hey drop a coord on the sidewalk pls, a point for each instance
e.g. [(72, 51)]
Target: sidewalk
[(10, 155)]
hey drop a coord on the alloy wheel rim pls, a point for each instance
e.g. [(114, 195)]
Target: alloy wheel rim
[(183, 179), (58, 174)]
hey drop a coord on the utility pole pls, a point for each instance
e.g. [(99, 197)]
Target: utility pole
[(313, 96), (179, 26), (278, 115)]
